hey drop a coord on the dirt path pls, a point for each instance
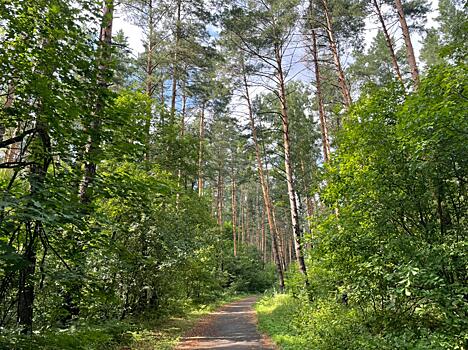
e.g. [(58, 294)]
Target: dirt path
[(233, 327)]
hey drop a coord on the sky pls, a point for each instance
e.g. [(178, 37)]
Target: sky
[(132, 32)]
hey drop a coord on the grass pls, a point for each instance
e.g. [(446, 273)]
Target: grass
[(142, 333), (295, 324), (276, 317)]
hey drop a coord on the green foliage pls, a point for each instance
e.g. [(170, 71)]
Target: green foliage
[(295, 324), (142, 332), (247, 273), (397, 248), (387, 268), (454, 24), (374, 67), (448, 41)]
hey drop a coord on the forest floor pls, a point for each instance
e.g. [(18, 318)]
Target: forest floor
[(233, 327)]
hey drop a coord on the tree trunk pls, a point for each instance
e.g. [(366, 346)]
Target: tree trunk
[(8, 103), (14, 149), (336, 57), (184, 109), (26, 282), (388, 41), (323, 120), (246, 219), (220, 198), (259, 217), (94, 139), (162, 96), (409, 46), (182, 181), (149, 74), (242, 217), (105, 41), (263, 241), (234, 213), (201, 136), (26, 278), (296, 226)]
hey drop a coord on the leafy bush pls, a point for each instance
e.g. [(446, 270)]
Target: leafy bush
[(295, 324), (396, 253), (247, 273)]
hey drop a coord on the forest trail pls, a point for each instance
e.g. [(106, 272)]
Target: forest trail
[(233, 327)]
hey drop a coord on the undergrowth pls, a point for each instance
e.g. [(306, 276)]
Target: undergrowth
[(149, 331), (295, 324)]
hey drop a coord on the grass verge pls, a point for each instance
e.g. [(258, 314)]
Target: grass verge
[(276, 315), (295, 324)]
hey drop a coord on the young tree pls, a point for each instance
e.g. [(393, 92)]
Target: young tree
[(49, 67)]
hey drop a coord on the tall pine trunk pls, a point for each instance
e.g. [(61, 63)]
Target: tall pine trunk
[(336, 57), (319, 94), (220, 198), (388, 40), (150, 86), (178, 35), (234, 212), (295, 221), (201, 142), (411, 57)]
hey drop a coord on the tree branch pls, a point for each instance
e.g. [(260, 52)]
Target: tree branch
[(16, 139)]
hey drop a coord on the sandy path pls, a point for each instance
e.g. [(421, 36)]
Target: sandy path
[(234, 326)]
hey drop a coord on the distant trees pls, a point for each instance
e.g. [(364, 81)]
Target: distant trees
[(265, 33)]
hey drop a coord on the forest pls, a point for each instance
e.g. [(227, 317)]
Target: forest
[(312, 151)]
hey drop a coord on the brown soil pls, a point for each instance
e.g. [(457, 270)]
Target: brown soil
[(233, 327)]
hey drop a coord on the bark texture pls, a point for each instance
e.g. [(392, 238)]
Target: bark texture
[(336, 57), (295, 221), (409, 45), (388, 40)]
